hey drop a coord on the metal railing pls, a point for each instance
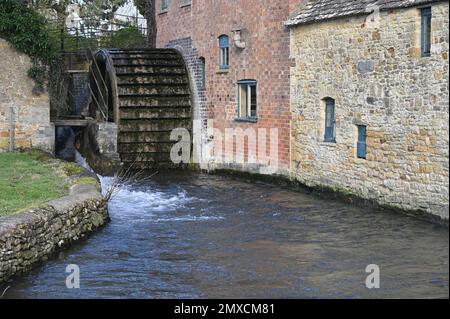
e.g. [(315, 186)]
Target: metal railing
[(90, 35), (99, 34)]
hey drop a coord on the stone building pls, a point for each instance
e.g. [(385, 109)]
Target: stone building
[(237, 53), (24, 116), (369, 100)]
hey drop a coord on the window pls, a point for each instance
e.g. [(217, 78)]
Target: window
[(361, 149), (329, 120), (185, 3), (247, 99), (203, 72), (164, 5), (224, 58), (426, 31)]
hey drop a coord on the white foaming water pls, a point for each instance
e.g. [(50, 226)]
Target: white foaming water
[(79, 159), (144, 204), (136, 204)]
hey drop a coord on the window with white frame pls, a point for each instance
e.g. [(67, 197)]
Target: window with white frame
[(164, 5), (247, 99)]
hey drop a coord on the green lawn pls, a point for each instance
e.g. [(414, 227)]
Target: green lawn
[(28, 179)]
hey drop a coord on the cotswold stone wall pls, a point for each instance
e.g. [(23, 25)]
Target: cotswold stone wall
[(24, 115), (378, 78), (31, 237), (98, 144)]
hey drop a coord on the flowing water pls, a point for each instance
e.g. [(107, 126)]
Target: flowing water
[(186, 235)]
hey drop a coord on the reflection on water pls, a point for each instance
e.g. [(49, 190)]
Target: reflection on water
[(187, 236)]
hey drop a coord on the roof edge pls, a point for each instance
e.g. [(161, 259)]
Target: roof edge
[(291, 22)]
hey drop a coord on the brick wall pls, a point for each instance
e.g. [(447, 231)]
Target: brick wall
[(194, 30), (31, 127), (378, 78)]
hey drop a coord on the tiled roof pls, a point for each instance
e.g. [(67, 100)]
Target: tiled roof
[(312, 11)]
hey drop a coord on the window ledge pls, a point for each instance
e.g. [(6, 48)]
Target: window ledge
[(222, 71), (360, 160), (329, 144), (163, 12), (246, 119)]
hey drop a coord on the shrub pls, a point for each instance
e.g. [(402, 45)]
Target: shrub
[(129, 37), (27, 31)]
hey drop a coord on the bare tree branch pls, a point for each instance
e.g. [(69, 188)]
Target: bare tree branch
[(126, 176)]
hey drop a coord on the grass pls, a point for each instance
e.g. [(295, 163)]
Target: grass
[(87, 180), (27, 180), (72, 169)]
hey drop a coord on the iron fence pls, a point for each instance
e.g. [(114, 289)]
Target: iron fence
[(86, 35), (96, 33)]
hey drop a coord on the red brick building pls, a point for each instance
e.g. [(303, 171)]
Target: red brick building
[(238, 56)]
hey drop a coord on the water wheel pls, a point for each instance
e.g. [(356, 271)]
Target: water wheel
[(148, 97)]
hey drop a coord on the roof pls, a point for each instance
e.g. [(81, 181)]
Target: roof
[(311, 11)]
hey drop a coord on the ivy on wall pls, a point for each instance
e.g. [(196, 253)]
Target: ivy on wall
[(27, 31)]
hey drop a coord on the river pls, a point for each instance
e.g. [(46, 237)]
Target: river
[(189, 235)]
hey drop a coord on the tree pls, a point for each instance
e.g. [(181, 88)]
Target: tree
[(58, 7), (102, 9), (150, 10), (140, 4), (97, 9)]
